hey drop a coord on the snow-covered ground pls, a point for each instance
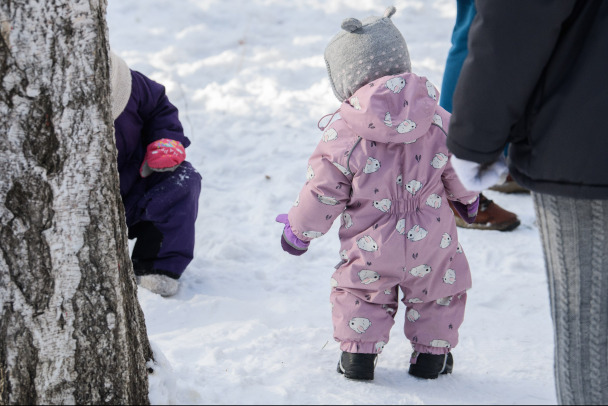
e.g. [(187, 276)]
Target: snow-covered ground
[(251, 324)]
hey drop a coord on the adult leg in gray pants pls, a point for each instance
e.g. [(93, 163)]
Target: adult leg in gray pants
[(574, 234)]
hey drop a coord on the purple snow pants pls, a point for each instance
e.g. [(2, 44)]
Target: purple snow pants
[(161, 211)]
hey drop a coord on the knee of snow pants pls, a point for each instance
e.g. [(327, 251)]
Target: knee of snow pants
[(360, 325), (432, 327)]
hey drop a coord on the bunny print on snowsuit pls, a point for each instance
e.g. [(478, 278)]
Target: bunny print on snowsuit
[(383, 168)]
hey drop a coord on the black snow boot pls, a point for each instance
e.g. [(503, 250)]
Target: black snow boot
[(430, 366), (357, 366)]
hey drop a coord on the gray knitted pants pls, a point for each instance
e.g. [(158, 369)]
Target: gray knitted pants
[(574, 234)]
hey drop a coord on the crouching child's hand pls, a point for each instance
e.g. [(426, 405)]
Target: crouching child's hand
[(162, 156), (289, 241)]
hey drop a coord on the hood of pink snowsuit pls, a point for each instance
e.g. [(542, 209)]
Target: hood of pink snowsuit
[(392, 109)]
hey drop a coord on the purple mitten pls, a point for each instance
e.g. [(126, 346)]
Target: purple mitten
[(467, 212), (289, 241)]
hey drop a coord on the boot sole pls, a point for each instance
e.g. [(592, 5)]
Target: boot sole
[(488, 226), (425, 374), (355, 375)]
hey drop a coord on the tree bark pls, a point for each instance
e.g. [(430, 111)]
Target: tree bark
[(71, 328)]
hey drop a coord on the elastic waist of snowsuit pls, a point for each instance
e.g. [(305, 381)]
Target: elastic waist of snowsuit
[(396, 206)]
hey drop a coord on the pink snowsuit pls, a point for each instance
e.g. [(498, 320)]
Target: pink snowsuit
[(383, 168)]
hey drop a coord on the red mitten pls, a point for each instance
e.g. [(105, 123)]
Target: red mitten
[(161, 156)]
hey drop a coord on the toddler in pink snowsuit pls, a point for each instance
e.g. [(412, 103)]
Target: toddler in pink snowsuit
[(382, 167)]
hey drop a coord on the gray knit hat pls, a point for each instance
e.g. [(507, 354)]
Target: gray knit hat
[(365, 51), (120, 77)]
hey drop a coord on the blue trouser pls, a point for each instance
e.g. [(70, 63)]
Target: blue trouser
[(161, 212), (465, 12)]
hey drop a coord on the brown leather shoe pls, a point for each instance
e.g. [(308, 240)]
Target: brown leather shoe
[(489, 217), (510, 186)]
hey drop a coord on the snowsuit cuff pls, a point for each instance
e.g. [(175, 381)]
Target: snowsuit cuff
[(362, 348), (425, 349)]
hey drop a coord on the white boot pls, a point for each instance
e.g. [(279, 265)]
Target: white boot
[(160, 284)]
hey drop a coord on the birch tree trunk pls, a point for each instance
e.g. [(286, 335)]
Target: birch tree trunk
[(71, 329)]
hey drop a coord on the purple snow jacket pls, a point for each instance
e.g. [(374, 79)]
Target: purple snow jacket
[(383, 167), (147, 117)]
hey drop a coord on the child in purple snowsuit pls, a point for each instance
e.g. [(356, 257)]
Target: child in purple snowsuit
[(159, 189), (382, 167)]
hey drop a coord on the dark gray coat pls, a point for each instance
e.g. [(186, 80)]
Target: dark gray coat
[(536, 77)]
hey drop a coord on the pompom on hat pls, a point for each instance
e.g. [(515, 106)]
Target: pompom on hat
[(120, 76), (365, 51)]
